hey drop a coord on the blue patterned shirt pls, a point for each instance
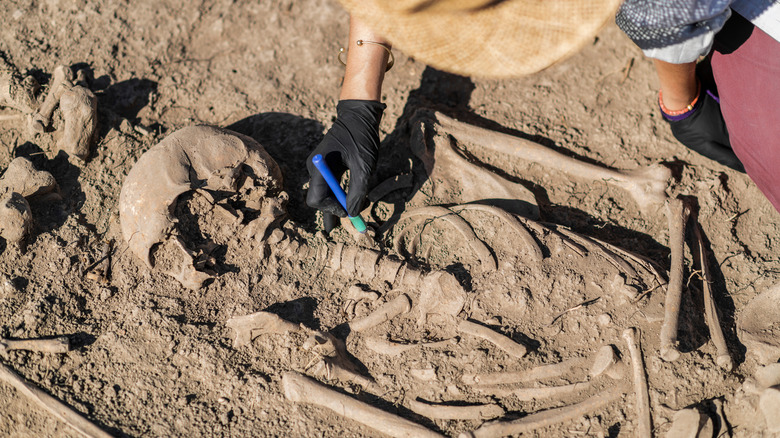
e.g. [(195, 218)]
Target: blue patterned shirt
[(680, 31)]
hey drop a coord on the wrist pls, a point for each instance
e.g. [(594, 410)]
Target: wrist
[(678, 109)]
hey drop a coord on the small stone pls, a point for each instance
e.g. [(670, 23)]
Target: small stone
[(423, 374), (604, 319), (768, 375), (770, 407), (605, 358), (685, 424), (15, 217)]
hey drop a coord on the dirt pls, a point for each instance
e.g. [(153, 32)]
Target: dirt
[(152, 358)]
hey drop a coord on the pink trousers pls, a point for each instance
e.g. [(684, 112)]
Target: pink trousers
[(747, 74)]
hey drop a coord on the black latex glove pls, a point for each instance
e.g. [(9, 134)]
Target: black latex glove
[(704, 131), (351, 143)]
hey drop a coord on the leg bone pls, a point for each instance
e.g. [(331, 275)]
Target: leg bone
[(545, 418), (710, 311), (678, 212), (646, 185), (57, 408), (644, 427), (301, 389)]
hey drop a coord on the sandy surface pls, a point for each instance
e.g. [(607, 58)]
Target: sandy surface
[(152, 358)]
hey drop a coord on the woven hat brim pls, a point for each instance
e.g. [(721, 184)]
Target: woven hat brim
[(511, 38)]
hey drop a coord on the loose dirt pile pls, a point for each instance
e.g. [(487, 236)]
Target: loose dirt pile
[(447, 317)]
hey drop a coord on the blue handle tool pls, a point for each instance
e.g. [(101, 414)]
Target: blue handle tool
[(335, 187)]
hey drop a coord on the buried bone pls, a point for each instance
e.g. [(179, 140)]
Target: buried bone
[(454, 412), (56, 345), (690, 423), (332, 362), (646, 185), (302, 389), (541, 372), (389, 310), (758, 326), (455, 180), (710, 311), (57, 408), (389, 348), (248, 327), (200, 156), (503, 342), (545, 418), (644, 427), (678, 212)]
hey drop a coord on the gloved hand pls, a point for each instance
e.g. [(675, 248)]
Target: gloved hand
[(703, 130), (351, 143)]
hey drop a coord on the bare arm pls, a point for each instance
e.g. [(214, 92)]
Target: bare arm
[(365, 64), (678, 83)]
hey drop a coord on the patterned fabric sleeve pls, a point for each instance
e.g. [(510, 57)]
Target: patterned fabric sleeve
[(675, 31)]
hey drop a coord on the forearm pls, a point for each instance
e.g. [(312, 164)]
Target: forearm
[(679, 85), (366, 64)]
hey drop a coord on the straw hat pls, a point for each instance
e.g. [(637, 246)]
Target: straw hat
[(486, 38)]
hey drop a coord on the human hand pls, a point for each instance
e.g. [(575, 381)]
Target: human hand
[(703, 130), (351, 143)]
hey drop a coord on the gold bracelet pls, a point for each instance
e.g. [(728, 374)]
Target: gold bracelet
[(390, 61)]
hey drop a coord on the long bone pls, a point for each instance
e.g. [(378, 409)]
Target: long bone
[(391, 309), (417, 215), (514, 224), (453, 412), (302, 389), (539, 393), (678, 211), (454, 179), (332, 363), (710, 311), (57, 408), (389, 348), (646, 185), (56, 345), (644, 427), (533, 374), (503, 342), (495, 429)]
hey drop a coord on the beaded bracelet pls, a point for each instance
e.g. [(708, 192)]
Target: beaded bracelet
[(390, 62), (688, 108)]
